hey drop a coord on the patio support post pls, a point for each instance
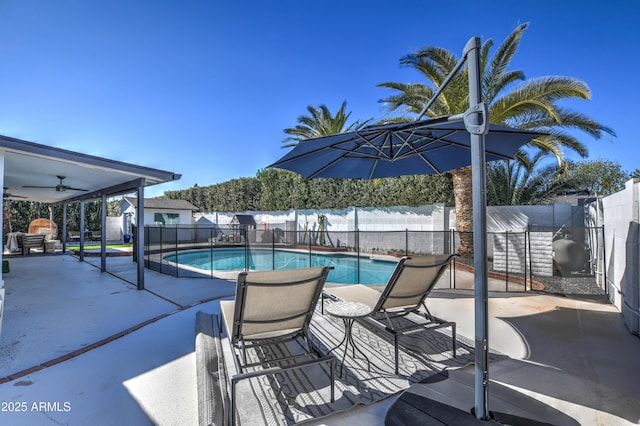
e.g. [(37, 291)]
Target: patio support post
[(139, 236), (2, 227), (103, 235), (82, 228), (63, 237), (476, 121)]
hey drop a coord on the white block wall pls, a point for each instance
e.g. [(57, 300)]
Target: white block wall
[(621, 222), (511, 248)]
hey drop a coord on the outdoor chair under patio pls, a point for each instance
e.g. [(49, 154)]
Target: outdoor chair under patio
[(409, 285), (273, 307)]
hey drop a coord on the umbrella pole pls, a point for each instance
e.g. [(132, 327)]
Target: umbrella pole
[(476, 122)]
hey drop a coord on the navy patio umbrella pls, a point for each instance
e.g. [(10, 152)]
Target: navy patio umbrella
[(428, 147), (415, 148)]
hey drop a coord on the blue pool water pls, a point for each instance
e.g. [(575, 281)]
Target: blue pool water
[(345, 266)]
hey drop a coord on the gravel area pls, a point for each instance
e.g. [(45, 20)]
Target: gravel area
[(577, 285)]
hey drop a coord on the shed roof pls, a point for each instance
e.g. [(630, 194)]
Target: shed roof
[(243, 219)]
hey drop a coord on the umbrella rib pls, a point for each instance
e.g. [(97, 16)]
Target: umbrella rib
[(413, 150), (420, 151), (379, 150), (320, 170)]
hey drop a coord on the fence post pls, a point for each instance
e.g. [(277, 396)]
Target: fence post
[(246, 251), (506, 265), (452, 243), (358, 255), (212, 239), (162, 251), (273, 249), (406, 241), (525, 260), (530, 262), (309, 249)]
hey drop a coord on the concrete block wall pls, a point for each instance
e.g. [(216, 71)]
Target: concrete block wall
[(541, 253), (510, 251)]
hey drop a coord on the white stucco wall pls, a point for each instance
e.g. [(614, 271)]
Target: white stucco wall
[(621, 222), (518, 218)]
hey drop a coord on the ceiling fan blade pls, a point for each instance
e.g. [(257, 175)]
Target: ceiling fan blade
[(61, 187)]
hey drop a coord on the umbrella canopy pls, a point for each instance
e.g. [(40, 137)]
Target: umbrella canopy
[(420, 147)]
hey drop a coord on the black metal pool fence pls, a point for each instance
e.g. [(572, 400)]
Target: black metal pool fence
[(562, 260)]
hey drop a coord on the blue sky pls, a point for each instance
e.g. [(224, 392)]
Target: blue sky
[(205, 88)]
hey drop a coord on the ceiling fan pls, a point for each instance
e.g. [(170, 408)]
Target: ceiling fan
[(59, 187), (6, 194)]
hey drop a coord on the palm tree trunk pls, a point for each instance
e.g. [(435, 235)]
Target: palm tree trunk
[(464, 209)]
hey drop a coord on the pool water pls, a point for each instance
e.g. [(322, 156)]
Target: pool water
[(345, 266)]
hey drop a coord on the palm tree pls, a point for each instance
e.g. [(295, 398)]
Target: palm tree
[(320, 122), (531, 104), (511, 183)]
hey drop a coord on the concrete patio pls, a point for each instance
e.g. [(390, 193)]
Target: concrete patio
[(83, 347)]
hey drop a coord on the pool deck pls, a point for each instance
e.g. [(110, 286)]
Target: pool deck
[(83, 347)]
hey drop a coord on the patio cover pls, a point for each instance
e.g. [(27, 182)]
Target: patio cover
[(24, 163)]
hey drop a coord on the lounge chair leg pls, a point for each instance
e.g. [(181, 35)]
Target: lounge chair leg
[(332, 364), (232, 414), (455, 340), (244, 355), (395, 344)]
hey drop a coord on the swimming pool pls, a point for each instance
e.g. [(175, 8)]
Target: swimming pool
[(372, 271)]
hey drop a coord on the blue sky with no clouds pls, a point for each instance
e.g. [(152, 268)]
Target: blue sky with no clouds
[(205, 88)]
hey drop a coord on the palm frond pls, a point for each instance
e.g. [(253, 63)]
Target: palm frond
[(320, 122), (412, 97), (565, 140), (441, 60), (548, 90), (550, 145), (501, 83), (576, 120)]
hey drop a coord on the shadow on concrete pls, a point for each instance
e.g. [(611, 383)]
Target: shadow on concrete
[(573, 349)]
